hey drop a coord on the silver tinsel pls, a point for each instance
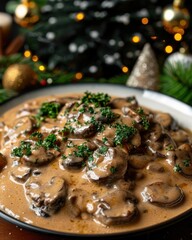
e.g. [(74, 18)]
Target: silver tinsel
[(145, 73)]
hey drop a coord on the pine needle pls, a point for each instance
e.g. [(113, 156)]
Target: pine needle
[(176, 81)]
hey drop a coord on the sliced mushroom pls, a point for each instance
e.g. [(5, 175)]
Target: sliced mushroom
[(66, 109), (162, 194), (180, 136), (84, 131), (46, 199), (115, 207), (139, 161), (183, 160), (105, 115), (124, 102), (78, 201), (155, 132), (24, 125), (3, 161), (155, 167), (108, 164), (74, 156), (20, 173), (39, 156), (164, 119)]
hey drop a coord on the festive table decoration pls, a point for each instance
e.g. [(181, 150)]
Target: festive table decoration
[(145, 73), (71, 41), (19, 77), (176, 17), (27, 13)]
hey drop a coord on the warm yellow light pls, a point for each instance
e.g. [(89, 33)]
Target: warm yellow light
[(145, 20), (168, 49), (27, 54), (35, 58), (177, 36), (125, 69), (80, 16), (42, 68), (136, 39), (78, 76)]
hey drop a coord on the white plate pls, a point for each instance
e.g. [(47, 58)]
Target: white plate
[(154, 100)]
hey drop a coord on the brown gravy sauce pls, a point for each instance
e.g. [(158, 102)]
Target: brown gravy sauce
[(160, 169)]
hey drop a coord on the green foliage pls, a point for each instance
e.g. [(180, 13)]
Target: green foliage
[(6, 95), (57, 76), (176, 81)]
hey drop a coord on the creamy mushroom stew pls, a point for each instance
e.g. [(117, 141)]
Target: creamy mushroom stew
[(93, 163)]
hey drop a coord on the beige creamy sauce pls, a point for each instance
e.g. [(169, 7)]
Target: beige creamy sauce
[(13, 199)]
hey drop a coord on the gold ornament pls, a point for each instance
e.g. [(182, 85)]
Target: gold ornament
[(27, 13), (175, 18), (19, 77), (145, 73)]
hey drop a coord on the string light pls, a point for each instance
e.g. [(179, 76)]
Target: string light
[(78, 76), (136, 39), (80, 16), (177, 36), (168, 49), (35, 58), (27, 54), (41, 68), (145, 20), (153, 37), (125, 69)]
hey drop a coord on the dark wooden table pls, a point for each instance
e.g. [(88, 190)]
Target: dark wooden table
[(179, 231)]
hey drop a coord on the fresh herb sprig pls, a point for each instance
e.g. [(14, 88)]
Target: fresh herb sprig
[(49, 109), (123, 133), (23, 149), (97, 99)]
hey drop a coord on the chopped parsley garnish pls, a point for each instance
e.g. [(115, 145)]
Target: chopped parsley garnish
[(67, 129), (104, 140), (113, 169), (169, 148), (98, 125), (108, 114), (83, 151), (39, 119), (144, 121), (23, 149), (50, 142), (123, 133), (98, 99), (37, 135), (140, 111), (49, 109), (103, 150), (177, 168), (186, 162)]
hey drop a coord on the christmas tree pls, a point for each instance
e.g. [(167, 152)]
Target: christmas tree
[(99, 38)]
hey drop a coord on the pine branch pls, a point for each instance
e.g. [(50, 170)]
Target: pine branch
[(6, 95), (176, 81)]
